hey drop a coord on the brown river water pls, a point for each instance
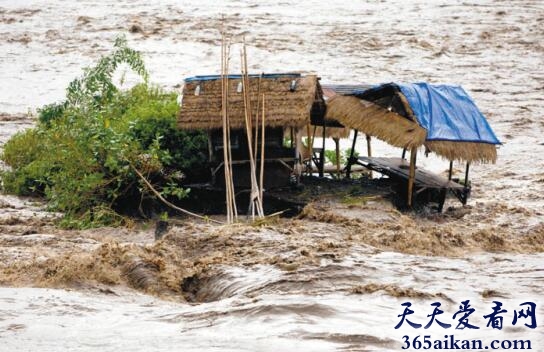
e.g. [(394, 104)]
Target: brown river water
[(332, 279)]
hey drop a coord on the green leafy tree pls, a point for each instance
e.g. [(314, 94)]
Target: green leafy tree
[(82, 152)]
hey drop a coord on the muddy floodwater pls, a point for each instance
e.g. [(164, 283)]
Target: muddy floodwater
[(333, 278)]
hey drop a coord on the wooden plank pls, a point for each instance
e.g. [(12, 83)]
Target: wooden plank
[(411, 175), (400, 168)]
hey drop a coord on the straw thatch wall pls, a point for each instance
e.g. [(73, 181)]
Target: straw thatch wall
[(464, 151), (374, 120), (284, 107)]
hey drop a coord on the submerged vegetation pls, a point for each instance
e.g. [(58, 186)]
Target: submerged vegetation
[(82, 154)]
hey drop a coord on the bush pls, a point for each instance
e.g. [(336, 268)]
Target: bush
[(330, 155), (82, 152)]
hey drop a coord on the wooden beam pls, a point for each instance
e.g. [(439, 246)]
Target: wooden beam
[(412, 175), (297, 167), (466, 175), (322, 156), (369, 150), (348, 166), (337, 145)]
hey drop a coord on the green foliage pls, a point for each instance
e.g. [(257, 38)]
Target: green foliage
[(287, 142), (347, 152), (50, 112), (330, 155), (95, 87), (81, 153)]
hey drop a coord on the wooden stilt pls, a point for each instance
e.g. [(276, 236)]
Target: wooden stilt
[(352, 152), (308, 148), (337, 148), (322, 155), (412, 175), (312, 150), (309, 134), (369, 150), (297, 136), (466, 175), (450, 172)]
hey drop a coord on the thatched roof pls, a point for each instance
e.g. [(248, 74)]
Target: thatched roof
[(330, 90), (464, 151), (374, 120), (284, 106), (384, 112)]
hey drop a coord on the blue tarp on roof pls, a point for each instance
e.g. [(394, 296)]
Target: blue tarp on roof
[(216, 77), (446, 111)]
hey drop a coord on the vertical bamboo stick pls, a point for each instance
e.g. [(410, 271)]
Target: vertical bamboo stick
[(255, 199), (224, 123), (227, 157), (257, 111), (261, 181), (233, 194)]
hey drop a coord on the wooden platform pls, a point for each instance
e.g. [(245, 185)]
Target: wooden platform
[(398, 168)]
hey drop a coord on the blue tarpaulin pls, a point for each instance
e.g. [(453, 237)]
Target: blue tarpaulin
[(217, 77), (446, 111)]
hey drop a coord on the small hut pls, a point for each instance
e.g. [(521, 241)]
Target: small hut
[(440, 118), (291, 102)]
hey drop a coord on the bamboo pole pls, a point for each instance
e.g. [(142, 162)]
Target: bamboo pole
[(232, 192), (228, 202), (235, 209), (232, 213), (255, 199), (257, 111), (412, 175), (261, 181)]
